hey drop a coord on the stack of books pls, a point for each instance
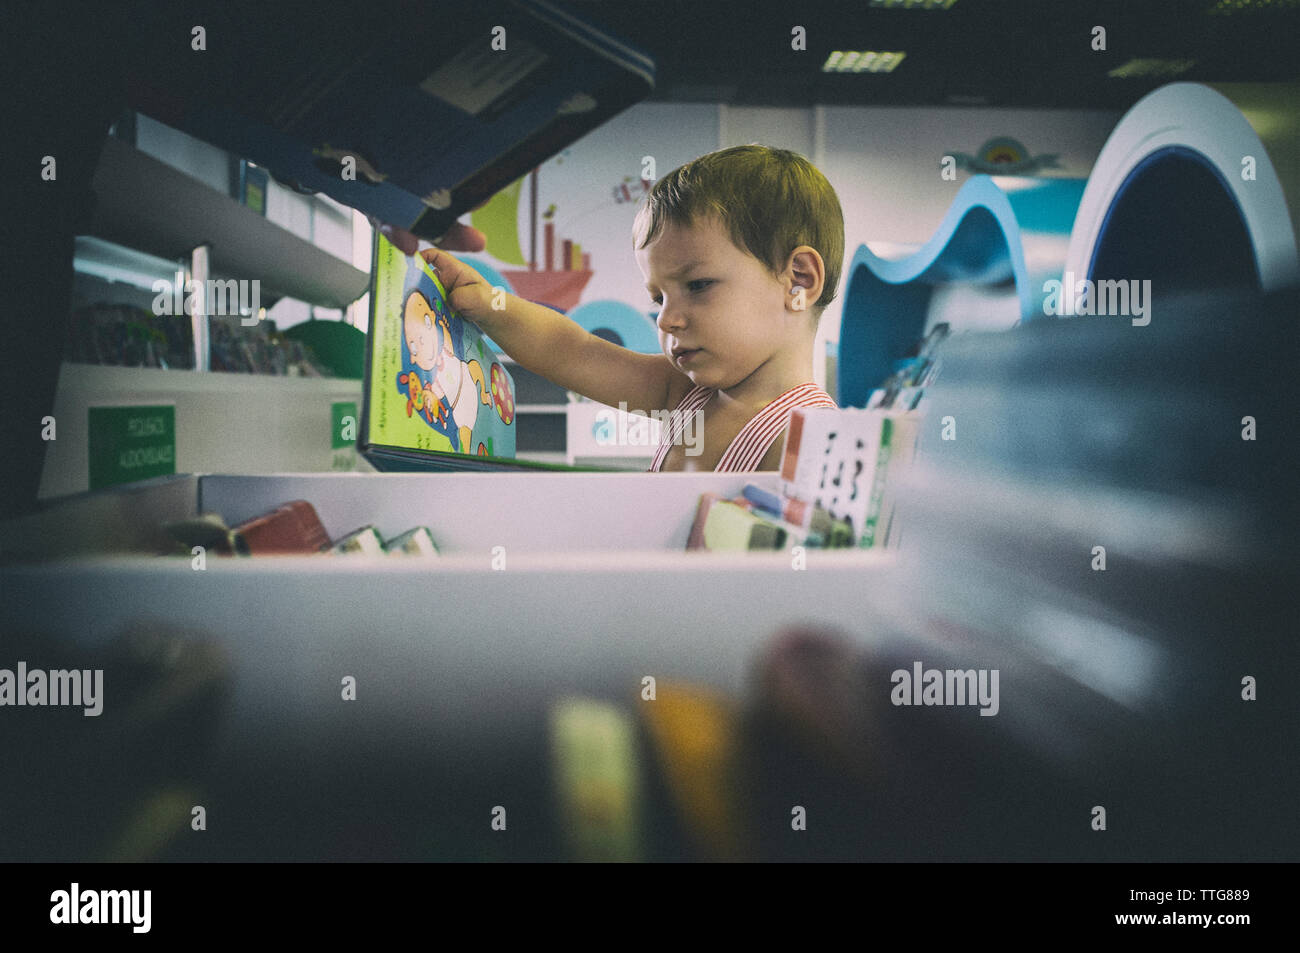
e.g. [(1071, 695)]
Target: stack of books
[(760, 519), (294, 529)]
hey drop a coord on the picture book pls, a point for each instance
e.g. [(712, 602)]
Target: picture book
[(433, 384), (848, 461), (830, 460)]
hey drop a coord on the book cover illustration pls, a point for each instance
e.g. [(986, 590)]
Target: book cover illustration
[(434, 383)]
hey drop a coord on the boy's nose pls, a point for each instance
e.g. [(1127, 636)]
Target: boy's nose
[(667, 320)]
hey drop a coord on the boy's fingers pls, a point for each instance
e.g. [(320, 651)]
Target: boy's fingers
[(459, 237), (463, 238), (450, 271), (403, 239), (442, 262), (406, 243)]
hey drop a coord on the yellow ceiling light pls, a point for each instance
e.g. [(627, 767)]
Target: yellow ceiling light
[(913, 4), (1224, 7), (1151, 68), (862, 61)]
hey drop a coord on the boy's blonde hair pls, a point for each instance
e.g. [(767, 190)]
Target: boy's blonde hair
[(769, 200)]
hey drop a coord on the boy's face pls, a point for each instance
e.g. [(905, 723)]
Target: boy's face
[(728, 309)]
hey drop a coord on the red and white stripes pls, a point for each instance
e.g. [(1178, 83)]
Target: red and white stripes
[(695, 399), (755, 438)]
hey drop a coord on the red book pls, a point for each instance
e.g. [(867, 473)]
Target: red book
[(292, 529)]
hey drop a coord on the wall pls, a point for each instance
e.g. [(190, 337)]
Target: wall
[(883, 162)]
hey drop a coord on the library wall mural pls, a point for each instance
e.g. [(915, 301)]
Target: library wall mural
[(562, 234)]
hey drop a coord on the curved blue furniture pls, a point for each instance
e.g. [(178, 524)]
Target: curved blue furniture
[(995, 232)]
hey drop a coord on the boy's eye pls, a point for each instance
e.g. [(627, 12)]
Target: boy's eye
[(699, 284)]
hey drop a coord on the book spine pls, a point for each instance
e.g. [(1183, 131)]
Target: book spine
[(877, 484), (902, 453), (793, 440), (292, 529)]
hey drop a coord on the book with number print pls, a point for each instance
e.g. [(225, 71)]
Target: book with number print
[(847, 460)]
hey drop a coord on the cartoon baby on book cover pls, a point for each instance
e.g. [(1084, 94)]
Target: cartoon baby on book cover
[(434, 384)]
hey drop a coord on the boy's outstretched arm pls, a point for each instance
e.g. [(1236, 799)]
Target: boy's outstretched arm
[(551, 345)]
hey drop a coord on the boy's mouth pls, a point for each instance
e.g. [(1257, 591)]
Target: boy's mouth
[(683, 354)]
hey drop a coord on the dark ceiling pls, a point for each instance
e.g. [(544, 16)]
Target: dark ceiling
[(1028, 53)]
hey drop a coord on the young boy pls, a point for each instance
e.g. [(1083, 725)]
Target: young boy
[(741, 250)]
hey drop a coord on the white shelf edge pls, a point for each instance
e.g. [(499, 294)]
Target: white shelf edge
[(145, 204)]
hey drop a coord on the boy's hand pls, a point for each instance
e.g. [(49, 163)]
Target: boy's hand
[(467, 291), (458, 238)]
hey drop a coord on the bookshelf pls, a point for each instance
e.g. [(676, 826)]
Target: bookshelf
[(146, 204), (148, 216), (269, 424)]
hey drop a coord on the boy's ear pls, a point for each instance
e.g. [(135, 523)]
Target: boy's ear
[(806, 274)]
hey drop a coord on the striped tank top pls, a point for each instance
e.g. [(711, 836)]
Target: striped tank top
[(755, 438)]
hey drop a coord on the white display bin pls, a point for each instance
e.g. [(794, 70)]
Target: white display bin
[(596, 589)]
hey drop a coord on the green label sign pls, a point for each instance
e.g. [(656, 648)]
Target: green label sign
[(131, 443), (345, 424)]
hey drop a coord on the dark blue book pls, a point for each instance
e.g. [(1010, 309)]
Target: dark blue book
[(413, 113)]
